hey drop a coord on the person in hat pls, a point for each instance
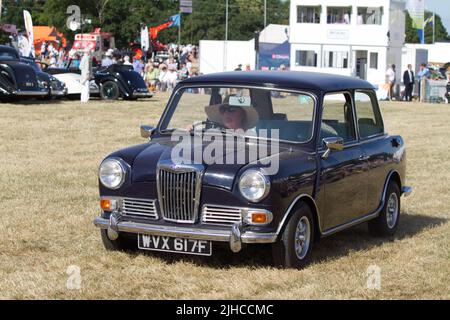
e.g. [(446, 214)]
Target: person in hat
[(239, 68), (233, 117), (107, 61)]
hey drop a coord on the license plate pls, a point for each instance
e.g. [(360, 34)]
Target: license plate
[(175, 245)]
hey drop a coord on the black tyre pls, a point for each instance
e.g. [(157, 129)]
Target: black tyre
[(109, 91), (294, 248), (387, 223), (121, 244)]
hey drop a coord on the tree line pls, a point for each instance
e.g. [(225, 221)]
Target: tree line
[(124, 17)]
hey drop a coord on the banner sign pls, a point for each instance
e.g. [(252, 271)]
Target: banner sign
[(145, 39), (416, 9), (29, 29)]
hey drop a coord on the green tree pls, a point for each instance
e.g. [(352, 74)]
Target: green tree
[(411, 34), (440, 32)]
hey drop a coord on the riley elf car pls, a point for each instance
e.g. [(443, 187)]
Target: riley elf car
[(327, 164)]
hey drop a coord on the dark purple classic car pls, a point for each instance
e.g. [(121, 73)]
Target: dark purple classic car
[(247, 158)]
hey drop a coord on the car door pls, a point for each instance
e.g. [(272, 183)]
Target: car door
[(374, 144), (343, 174)]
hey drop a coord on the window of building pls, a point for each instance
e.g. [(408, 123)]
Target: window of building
[(374, 60), (336, 15), (336, 59), (370, 15), (370, 122), (306, 58), (308, 14)]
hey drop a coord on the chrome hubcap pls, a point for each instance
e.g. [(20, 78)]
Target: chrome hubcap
[(392, 211), (110, 91), (302, 238)]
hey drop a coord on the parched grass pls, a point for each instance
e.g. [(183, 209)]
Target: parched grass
[(49, 155)]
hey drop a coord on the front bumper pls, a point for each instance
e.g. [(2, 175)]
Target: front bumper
[(235, 237), (142, 94), (59, 93), (30, 93)]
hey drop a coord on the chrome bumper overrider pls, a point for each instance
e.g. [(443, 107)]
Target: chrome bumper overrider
[(58, 93), (142, 94), (235, 237)]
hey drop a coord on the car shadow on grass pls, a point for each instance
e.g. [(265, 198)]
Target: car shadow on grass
[(333, 247), (33, 102)]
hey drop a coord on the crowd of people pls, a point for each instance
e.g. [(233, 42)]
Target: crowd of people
[(161, 71), (409, 82)]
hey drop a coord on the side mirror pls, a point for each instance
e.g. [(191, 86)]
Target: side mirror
[(147, 132), (332, 144)]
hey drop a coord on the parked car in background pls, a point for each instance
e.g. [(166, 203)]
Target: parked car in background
[(108, 83), (55, 88), (19, 80), (118, 81), (337, 167)]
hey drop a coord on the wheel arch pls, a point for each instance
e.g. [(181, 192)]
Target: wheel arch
[(392, 176), (303, 199)]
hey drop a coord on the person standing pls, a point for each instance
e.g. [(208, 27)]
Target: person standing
[(86, 74), (424, 73), (390, 78), (409, 80)]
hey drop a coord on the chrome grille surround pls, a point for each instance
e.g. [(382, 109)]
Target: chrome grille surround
[(220, 215), (139, 208), (179, 191)]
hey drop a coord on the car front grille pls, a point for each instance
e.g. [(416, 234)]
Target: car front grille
[(218, 215), (179, 194), (140, 208)]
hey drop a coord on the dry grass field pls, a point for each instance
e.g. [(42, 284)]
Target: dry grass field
[(49, 155)]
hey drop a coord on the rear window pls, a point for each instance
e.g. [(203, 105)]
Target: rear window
[(370, 121)]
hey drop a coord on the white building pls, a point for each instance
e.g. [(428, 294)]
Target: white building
[(358, 38)]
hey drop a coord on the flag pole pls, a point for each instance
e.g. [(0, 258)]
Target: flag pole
[(434, 27), (179, 31)]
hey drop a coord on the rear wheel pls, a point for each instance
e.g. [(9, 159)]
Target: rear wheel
[(294, 248), (109, 91), (387, 223)]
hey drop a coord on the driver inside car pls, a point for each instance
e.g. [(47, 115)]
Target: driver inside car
[(233, 117)]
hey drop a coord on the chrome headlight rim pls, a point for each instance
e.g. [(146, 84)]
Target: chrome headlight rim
[(264, 179), (123, 169)]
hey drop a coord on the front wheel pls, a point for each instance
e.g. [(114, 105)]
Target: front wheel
[(387, 223), (110, 91), (294, 248)]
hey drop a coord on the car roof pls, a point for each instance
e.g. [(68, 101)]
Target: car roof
[(9, 49), (287, 79)]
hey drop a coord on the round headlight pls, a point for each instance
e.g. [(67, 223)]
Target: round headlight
[(112, 174), (254, 185)]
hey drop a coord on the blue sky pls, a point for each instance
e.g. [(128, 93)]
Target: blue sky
[(442, 8)]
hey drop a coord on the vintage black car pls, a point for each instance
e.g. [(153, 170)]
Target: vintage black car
[(324, 163), (118, 81), (108, 83), (55, 88), (18, 80)]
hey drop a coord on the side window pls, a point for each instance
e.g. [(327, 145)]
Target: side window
[(337, 117), (370, 122)]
